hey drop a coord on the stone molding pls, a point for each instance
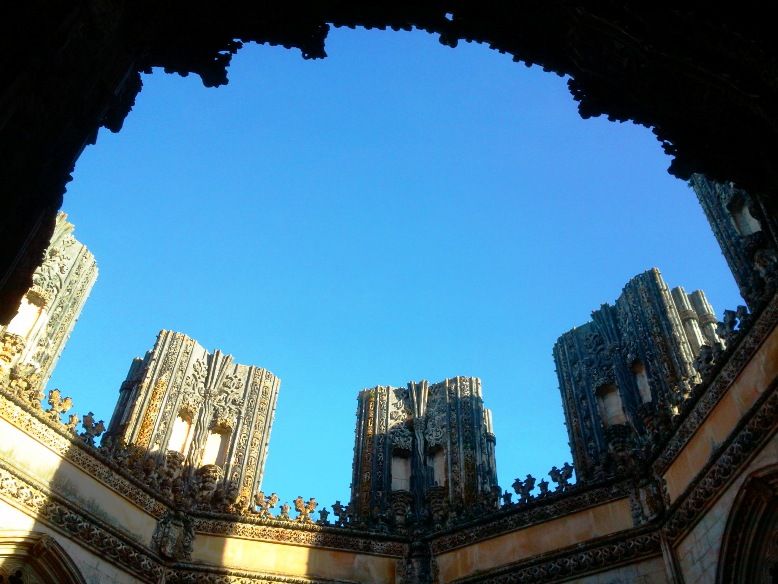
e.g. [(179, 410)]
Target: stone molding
[(538, 511), (56, 438), (81, 526), (575, 561), (731, 367), (94, 463), (190, 574), (306, 534), (36, 557), (753, 431)]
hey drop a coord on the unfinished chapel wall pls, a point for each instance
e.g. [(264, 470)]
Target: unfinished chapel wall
[(670, 413)]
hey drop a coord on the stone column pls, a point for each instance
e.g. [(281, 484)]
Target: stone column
[(706, 316), (689, 318)]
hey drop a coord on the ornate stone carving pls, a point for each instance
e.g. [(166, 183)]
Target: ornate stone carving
[(265, 504), (729, 366), (561, 476), (88, 531), (635, 359), (173, 538), (304, 509), (212, 397), (443, 433), (10, 346), (507, 519), (576, 563), (92, 429), (524, 488)]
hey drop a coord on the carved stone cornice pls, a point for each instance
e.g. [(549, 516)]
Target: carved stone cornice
[(551, 507), (754, 430), (732, 364), (575, 561), (307, 534), (191, 574), (78, 525), (55, 437)]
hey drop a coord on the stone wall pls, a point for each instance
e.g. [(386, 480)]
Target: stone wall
[(699, 551)]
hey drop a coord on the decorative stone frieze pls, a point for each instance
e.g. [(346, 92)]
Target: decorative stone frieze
[(756, 428), (577, 562), (75, 523), (300, 533)]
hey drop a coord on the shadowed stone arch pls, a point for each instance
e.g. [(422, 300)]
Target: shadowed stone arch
[(704, 79), (35, 558), (749, 552)]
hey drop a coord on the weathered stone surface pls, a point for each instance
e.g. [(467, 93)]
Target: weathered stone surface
[(627, 372), (203, 419), (41, 325)]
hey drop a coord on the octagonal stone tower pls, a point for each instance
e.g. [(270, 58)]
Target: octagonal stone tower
[(624, 373), (424, 452), (217, 414)]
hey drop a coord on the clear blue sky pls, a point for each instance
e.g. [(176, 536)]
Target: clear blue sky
[(398, 211)]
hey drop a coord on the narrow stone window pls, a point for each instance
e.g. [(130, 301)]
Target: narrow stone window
[(181, 434), (745, 223), (215, 451), (26, 318), (401, 473), (438, 463), (641, 379), (609, 402)]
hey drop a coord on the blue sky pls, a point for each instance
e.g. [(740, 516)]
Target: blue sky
[(398, 211)]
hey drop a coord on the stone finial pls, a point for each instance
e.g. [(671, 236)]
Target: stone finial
[(304, 509), (92, 429), (524, 488)]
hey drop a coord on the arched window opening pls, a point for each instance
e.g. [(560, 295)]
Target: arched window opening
[(609, 402), (31, 557), (641, 379), (215, 451), (749, 546), (181, 435), (401, 472), (745, 223)]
